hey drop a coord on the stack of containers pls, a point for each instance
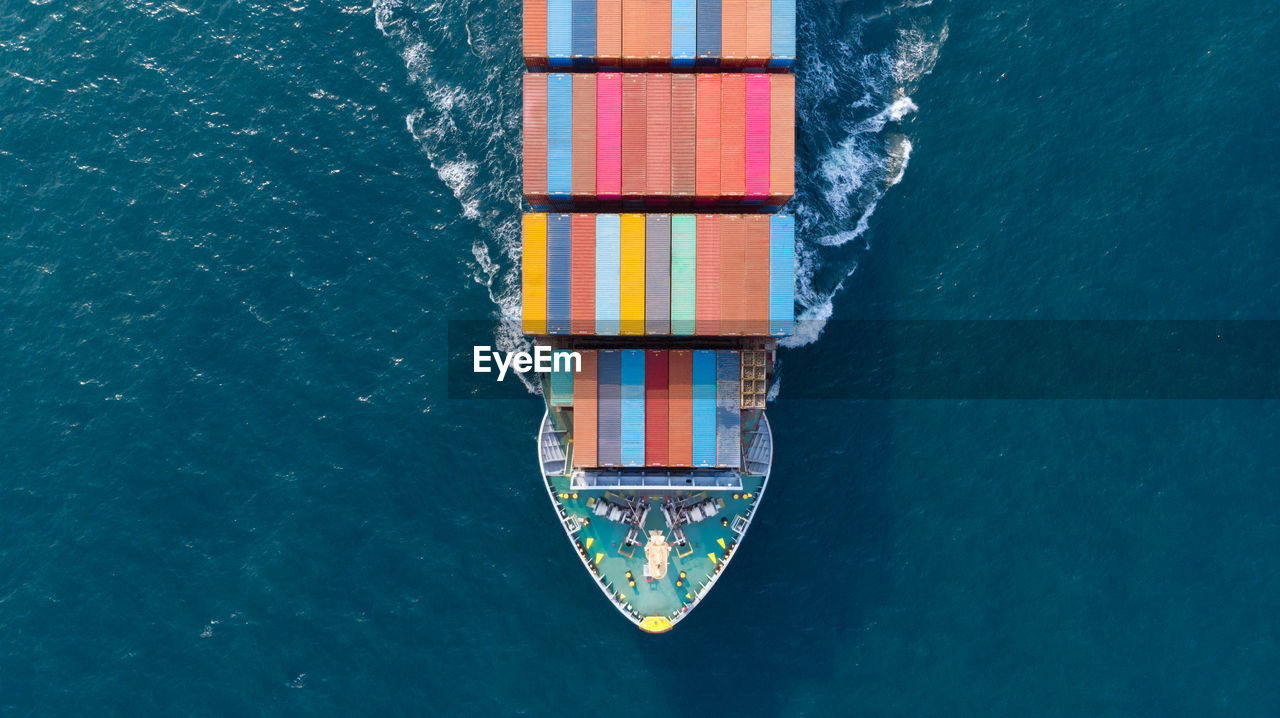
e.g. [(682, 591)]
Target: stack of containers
[(609, 122)]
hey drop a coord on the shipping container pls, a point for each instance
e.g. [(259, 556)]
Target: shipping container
[(684, 40), (684, 264), (562, 371), (733, 33), (609, 408), (535, 137), (782, 138), (631, 274), (657, 274), (759, 40), (658, 31), (535, 33), (558, 268), (707, 164), (632, 407), (756, 267), (732, 273), (584, 412), (728, 410), (704, 408), (684, 135), (533, 275), (609, 32), (708, 32), (658, 135), (782, 274), (560, 33), (608, 273), (633, 134), (634, 37), (559, 135), (584, 32), (656, 380), (609, 135), (584, 135), (783, 33), (582, 286), (680, 408), (733, 111), (708, 316), (756, 183)]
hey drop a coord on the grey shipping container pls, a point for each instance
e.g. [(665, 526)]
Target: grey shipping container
[(728, 409), (708, 31), (609, 409), (657, 274)]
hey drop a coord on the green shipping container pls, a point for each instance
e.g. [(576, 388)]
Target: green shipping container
[(561, 381), (684, 247)]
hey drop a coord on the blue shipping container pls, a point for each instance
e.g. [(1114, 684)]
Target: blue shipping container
[(782, 275), (558, 254), (559, 32), (608, 274), (728, 410), (633, 407), (584, 29), (704, 407), (783, 29), (608, 413), (684, 38), (559, 135), (708, 30)]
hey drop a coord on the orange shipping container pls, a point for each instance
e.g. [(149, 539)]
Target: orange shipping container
[(658, 136), (732, 272), (535, 31), (733, 141), (755, 288), (707, 313), (535, 136), (680, 409), (582, 277), (733, 33), (759, 45), (684, 127), (782, 138), (634, 37), (707, 165), (658, 30), (633, 134), (584, 135), (584, 412), (609, 32)]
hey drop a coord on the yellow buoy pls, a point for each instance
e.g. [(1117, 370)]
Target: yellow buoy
[(679, 583)]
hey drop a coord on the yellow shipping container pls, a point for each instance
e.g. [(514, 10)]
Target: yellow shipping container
[(533, 277), (631, 279)]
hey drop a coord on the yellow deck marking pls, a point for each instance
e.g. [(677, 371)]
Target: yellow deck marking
[(712, 557), (590, 541), (598, 557), (719, 541)]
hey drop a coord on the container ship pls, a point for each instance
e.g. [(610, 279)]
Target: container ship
[(658, 153)]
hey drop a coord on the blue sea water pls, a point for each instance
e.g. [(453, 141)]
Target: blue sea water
[(232, 481)]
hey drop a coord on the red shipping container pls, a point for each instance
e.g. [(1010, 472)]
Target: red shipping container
[(732, 273), (535, 137), (707, 314), (584, 135), (756, 285), (684, 128), (680, 408), (582, 274), (608, 135), (658, 30), (733, 116), (535, 32), (609, 32), (733, 33), (658, 136), (782, 138), (756, 184), (707, 164), (655, 408), (759, 41), (633, 134), (584, 411), (634, 37)]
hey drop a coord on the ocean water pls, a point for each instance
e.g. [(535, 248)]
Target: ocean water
[(232, 481)]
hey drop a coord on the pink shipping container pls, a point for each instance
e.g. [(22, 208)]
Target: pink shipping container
[(584, 136), (707, 275), (608, 135), (756, 183), (633, 133), (535, 137), (658, 136)]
